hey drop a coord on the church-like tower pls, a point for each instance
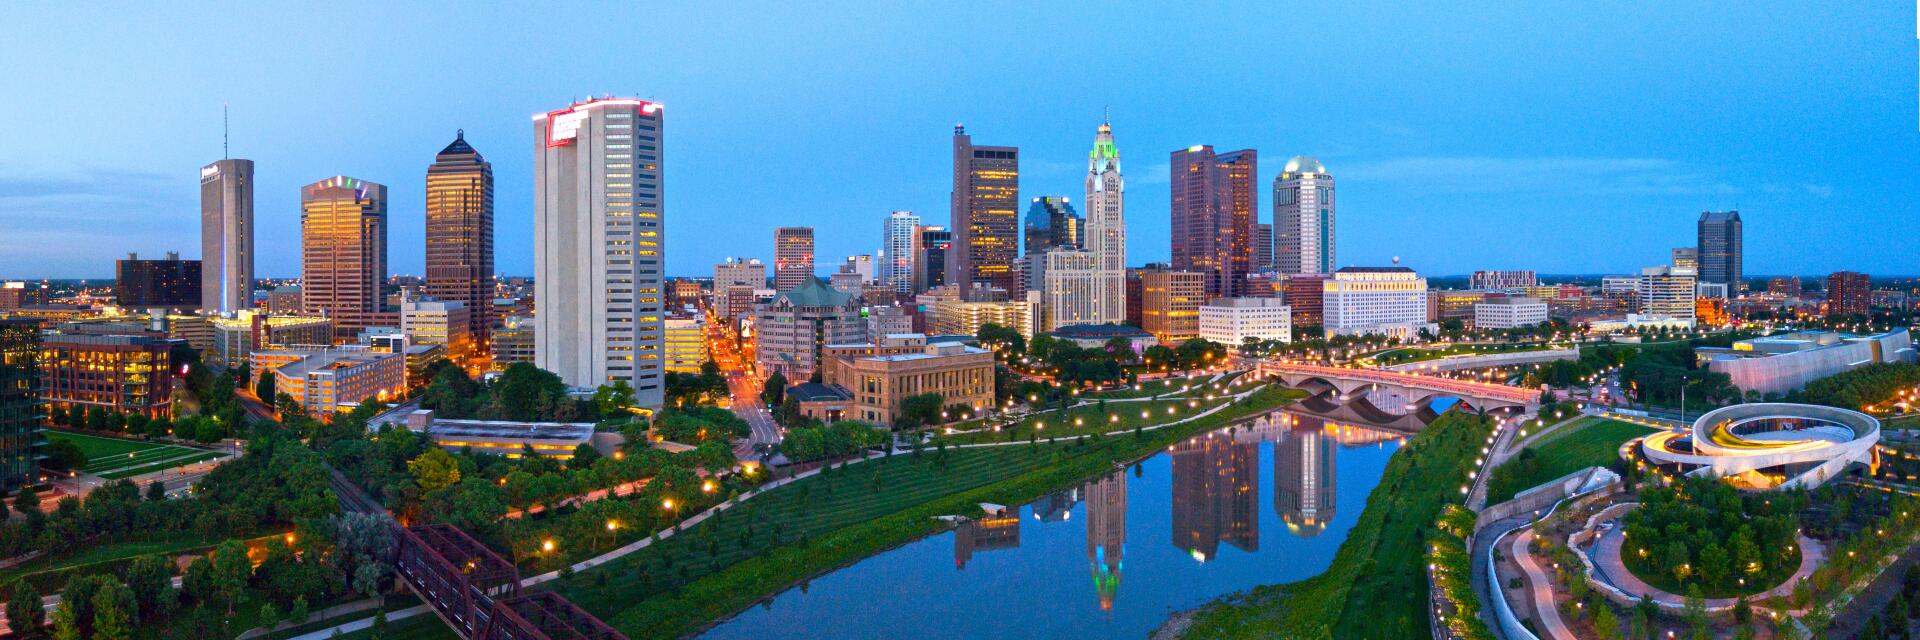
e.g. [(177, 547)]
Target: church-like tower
[(1106, 224)]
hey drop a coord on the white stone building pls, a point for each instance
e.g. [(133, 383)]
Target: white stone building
[(1389, 301), (1230, 321)]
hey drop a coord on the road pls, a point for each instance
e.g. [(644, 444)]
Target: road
[(734, 358)]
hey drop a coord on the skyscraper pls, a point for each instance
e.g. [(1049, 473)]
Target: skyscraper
[(1106, 234), (930, 249), (1263, 247), (1303, 218), (1240, 211), (792, 257), (460, 234), (896, 250), (1052, 224), (985, 213), (600, 244), (343, 251), (1720, 252), (1213, 202), (226, 236), (1304, 470)]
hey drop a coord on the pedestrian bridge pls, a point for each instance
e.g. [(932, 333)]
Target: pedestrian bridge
[(471, 588), (1419, 390)]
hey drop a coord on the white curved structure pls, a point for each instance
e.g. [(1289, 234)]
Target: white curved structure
[(1770, 444)]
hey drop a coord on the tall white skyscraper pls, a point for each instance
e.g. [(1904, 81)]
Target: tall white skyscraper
[(226, 236), (600, 245), (1303, 218), (896, 250), (1106, 235)]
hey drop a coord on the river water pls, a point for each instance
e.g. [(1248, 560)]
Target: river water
[(1266, 502)]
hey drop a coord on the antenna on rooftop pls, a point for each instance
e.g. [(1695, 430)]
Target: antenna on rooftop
[(223, 132)]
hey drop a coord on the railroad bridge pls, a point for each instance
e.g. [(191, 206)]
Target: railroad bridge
[(1419, 390), (471, 588)]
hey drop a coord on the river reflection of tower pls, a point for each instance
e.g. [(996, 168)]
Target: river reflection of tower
[(986, 533), (1303, 477), (1215, 494), (1106, 500)]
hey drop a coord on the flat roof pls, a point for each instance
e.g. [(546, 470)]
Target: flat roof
[(560, 431)]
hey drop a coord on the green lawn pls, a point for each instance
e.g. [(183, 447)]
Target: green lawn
[(1903, 422), (1405, 355), (115, 458), (1589, 442), (1376, 586)]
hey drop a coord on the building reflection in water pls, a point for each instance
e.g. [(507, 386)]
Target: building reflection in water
[(999, 530), (1215, 494), (1056, 506), (1106, 500), (1303, 477)]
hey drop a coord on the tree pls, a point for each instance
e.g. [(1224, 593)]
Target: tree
[(264, 388), (27, 502), (298, 614), (920, 410), (231, 571), (157, 490), (113, 613), (63, 455), (434, 470), (1605, 623), (66, 624), (775, 390), (25, 614), (150, 582), (615, 398), (583, 456)]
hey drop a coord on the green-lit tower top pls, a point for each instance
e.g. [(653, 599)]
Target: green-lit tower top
[(1104, 154)]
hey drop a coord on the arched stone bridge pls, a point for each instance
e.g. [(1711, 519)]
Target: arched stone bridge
[(1419, 390)]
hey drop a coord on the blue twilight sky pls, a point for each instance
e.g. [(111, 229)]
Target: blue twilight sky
[(1557, 136)]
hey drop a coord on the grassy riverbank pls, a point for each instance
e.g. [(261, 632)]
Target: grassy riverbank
[(1377, 585), (793, 533)]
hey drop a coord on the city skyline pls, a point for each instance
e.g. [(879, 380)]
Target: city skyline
[(1649, 162)]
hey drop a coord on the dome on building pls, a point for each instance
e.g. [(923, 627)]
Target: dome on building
[(1303, 164)]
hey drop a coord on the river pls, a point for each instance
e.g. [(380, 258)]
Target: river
[(1113, 557)]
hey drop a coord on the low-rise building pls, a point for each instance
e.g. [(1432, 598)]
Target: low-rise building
[(1509, 312), (1231, 321), (502, 438), (1096, 336), (685, 343), (513, 341), (118, 374), (235, 339), (960, 374), (824, 402), (443, 322), (324, 380), (1170, 304), (964, 317), (794, 328), (887, 320), (1388, 301), (1784, 363)]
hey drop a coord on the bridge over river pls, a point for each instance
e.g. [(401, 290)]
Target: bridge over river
[(1419, 390)]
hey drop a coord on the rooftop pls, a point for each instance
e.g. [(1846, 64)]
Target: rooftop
[(818, 392)]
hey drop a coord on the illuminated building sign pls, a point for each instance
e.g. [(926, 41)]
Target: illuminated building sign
[(564, 126)]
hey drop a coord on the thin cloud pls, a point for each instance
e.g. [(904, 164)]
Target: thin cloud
[(1475, 174)]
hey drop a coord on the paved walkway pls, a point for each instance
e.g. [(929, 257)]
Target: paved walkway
[(1539, 589), (1606, 558), (617, 491)]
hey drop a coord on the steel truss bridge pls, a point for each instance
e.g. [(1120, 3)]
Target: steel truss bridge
[(471, 588)]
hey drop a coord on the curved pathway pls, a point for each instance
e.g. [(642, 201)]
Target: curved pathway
[(1606, 558), (1539, 588)]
